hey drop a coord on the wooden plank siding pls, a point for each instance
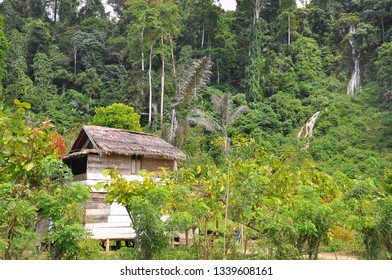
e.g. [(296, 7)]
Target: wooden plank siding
[(125, 165), (97, 210), (111, 221), (98, 163), (153, 164)]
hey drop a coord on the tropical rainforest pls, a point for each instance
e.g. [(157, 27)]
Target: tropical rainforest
[(284, 113)]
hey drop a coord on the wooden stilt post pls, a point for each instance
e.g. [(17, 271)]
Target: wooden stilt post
[(107, 245)]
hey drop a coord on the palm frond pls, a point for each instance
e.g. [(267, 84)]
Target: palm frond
[(205, 121), (222, 106), (197, 77), (237, 113)]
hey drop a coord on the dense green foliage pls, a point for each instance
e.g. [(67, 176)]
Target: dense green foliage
[(36, 189), (145, 202), (173, 62), (292, 211), (117, 115)]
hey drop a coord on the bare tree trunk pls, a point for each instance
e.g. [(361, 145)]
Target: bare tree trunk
[(172, 56), (202, 36), (150, 86), (173, 127), (55, 11), (227, 196), (162, 80), (218, 74), (154, 118), (75, 57), (142, 49), (257, 5), (289, 30), (227, 144)]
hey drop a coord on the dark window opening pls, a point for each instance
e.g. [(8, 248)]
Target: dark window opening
[(78, 165)]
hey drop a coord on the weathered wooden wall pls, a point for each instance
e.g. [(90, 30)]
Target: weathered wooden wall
[(153, 164), (97, 210), (98, 163), (111, 221)]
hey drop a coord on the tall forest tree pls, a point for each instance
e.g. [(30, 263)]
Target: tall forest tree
[(200, 19), (3, 51), (144, 32), (169, 29)]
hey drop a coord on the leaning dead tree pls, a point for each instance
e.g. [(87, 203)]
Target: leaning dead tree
[(307, 129)]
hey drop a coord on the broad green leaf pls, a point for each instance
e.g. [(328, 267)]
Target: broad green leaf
[(25, 105), (30, 166)]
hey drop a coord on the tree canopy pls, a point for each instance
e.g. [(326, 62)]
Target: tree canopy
[(117, 115)]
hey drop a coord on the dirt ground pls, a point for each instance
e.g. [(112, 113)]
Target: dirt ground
[(335, 256)]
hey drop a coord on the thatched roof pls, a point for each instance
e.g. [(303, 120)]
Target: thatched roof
[(105, 140)]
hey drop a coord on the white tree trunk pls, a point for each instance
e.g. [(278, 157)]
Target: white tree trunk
[(202, 36), (75, 57), (55, 10), (162, 79), (218, 74), (173, 60), (257, 5), (289, 30), (142, 49), (150, 86), (173, 127)]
